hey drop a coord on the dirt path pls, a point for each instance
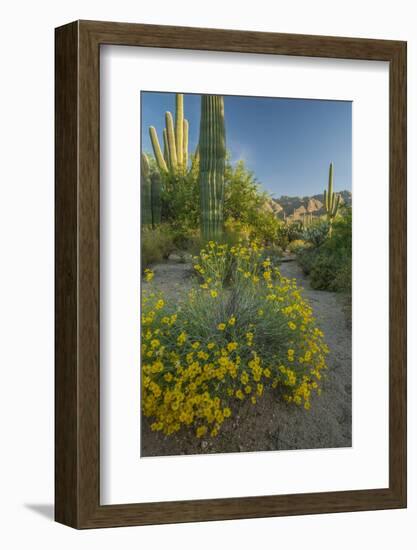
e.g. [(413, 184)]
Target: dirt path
[(174, 277), (271, 424)]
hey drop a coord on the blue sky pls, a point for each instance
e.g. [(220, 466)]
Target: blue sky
[(287, 143)]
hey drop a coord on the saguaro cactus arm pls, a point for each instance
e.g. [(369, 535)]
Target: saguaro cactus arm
[(174, 159), (185, 146), (157, 150), (166, 147), (179, 129), (171, 141)]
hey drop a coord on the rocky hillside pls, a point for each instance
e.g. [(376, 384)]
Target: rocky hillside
[(296, 207)]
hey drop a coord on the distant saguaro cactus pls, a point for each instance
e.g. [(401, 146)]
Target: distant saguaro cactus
[(307, 219), (174, 159), (331, 199), (145, 191), (212, 149)]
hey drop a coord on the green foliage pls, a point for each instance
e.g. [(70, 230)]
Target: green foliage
[(288, 232), (156, 244), (329, 265), (243, 196), (317, 233), (180, 200), (244, 206), (296, 245), (212, 149)]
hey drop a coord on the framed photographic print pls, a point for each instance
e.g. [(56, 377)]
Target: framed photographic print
[(230, 274)]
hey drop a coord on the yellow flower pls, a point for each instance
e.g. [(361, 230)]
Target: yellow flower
[(213, 293), (231, 346), (211, 345), (239, 394), (221, 326), (292, 325), (181, 338), (267, 275), (227, 412), (159, 304), (148, 275), (232, 320), (201, 430)]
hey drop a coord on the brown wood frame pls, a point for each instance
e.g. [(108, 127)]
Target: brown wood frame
[(77, 373)]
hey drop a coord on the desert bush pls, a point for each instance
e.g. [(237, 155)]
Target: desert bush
[(316, 233), (156, 244), (288, 232), (296, 245), (226, 344), (329, 264), (244, 206), (181, 202), (264, 228)]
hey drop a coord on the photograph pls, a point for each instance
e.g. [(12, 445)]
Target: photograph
[(246, 264)]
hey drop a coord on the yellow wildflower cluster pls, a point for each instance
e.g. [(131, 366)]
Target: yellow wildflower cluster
[(202, 358), (149, 274)]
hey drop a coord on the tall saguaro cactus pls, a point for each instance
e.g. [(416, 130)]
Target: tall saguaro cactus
[(174, 159), (150, 194), (331, 200), (156, 204), (145, 191), (212, 149)]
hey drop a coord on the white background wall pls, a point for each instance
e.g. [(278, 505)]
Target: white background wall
[(26, 271)]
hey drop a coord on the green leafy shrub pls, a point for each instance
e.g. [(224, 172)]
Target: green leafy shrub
[(329, 264), (296, 245), (156, 244), (288, 232), (180, 198), (244, 206), (317, 233)]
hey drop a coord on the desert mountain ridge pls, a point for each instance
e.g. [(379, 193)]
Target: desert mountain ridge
[(296, 207)]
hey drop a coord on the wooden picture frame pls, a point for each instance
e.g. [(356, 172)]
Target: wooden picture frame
[(77, 382)]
